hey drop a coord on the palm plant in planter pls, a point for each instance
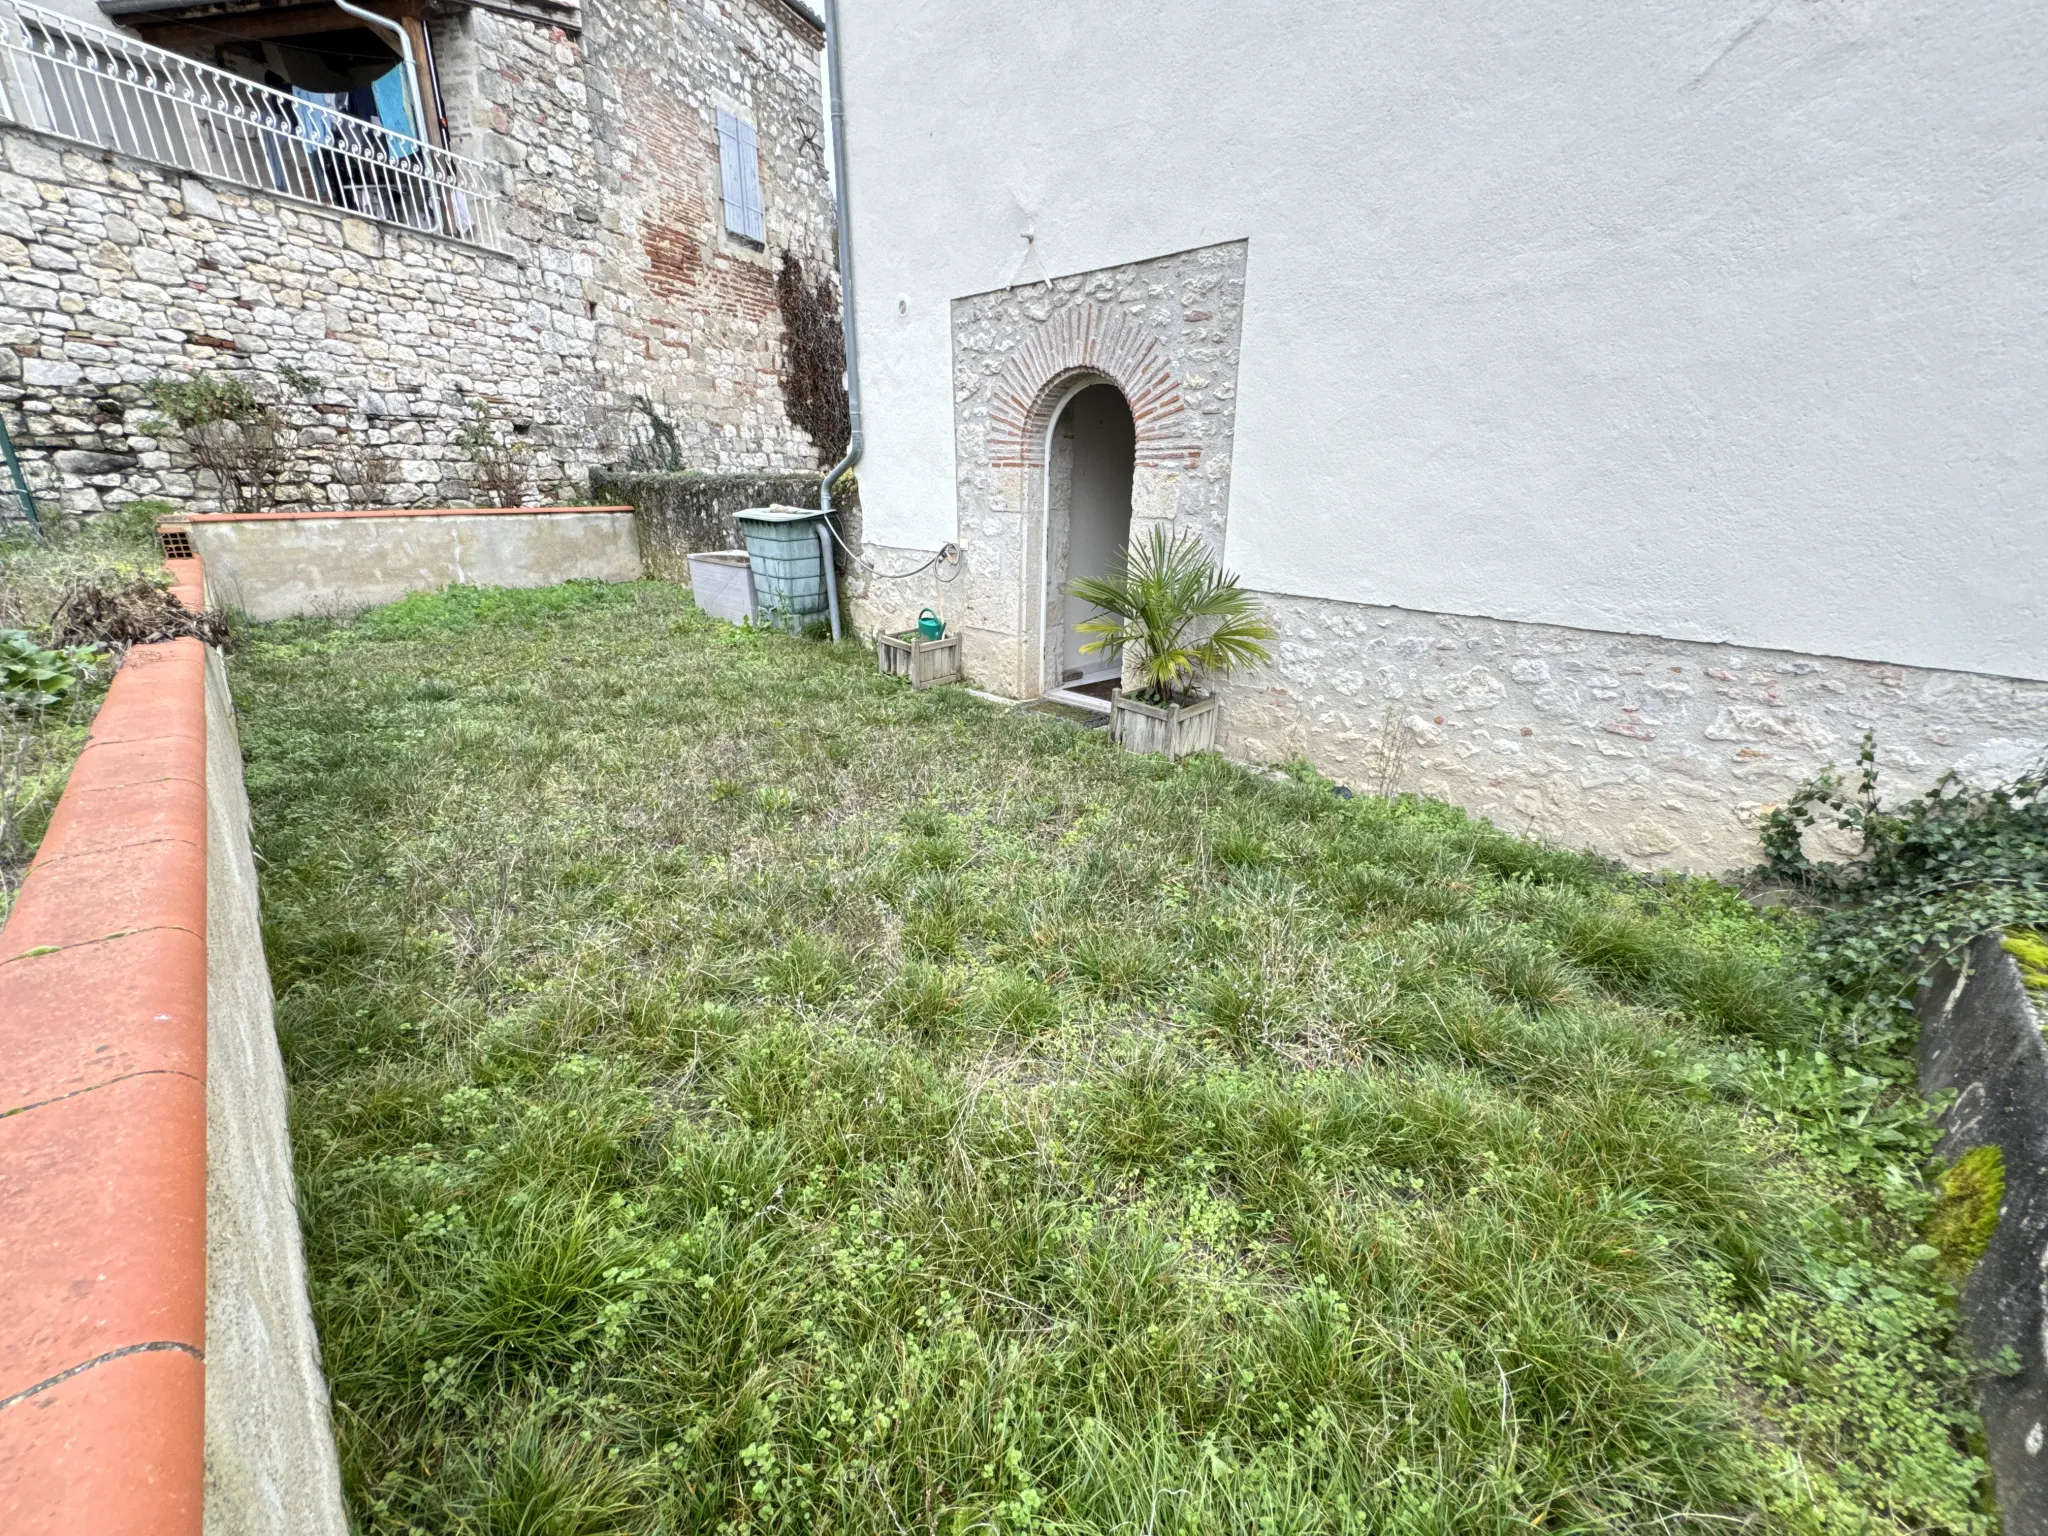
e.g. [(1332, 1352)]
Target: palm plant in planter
[(1177, 616)]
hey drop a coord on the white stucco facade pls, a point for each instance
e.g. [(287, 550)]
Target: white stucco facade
[(1703, 322)]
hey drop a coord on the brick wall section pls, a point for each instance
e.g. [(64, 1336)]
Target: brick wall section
[(1166, 332), (103, 1128), (1093, 338), (116, 271), (659, 75)]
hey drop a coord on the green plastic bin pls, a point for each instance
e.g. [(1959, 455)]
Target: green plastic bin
[(789, 566)]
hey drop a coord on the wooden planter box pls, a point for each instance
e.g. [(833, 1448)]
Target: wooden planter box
[(1175, 731), (925, 662)]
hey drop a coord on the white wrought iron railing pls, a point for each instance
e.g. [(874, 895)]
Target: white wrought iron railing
[(112, 91)]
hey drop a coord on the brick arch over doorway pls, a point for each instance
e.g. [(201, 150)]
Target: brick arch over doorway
[(1090, 341), (1166, 333)]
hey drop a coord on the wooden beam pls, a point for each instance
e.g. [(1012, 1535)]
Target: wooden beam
[(188, 32)]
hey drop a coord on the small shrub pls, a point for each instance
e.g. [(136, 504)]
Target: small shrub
[(237, 432), (1932, 874), (371, 474), (500, 468)]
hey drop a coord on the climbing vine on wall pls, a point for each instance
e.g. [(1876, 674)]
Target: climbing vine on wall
[(1934, 872), (813, 358)]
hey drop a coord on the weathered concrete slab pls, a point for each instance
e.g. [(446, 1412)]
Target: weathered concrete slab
[(1981, 1039), (270, 1459)]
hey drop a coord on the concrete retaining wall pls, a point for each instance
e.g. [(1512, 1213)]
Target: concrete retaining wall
[(288, 565), (684, 512), (270, 1461), (1981, 1040)]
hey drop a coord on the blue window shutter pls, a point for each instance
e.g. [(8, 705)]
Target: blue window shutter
[(730, 176), (750, 185)]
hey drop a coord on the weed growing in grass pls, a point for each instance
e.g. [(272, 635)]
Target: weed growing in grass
[(733, 1092), (50, 691)]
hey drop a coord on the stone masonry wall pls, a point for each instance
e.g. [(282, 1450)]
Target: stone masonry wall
[(117, 271), (687, 311), (1665, 753)]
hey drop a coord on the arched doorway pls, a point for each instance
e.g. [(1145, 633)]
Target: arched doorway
[(1090, 461)]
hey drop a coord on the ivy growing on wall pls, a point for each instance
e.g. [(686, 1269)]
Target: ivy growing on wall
[(1933, 873), (813, 358)]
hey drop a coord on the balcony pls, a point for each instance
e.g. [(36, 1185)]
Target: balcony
[(111, 91)]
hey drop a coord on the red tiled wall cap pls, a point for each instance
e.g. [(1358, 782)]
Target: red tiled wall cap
[(103, 1126), (330, 514)]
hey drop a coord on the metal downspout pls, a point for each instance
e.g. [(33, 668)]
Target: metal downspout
[(854, 441), (412, 68)]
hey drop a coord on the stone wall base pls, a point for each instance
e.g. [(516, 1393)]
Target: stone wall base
[(1661, 753)]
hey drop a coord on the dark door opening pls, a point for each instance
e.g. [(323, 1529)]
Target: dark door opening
[(1100, 440)]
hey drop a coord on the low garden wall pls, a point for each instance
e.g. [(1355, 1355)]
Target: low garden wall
[(158, 1365), (687, 512), (1981, 1042), (287, 565)]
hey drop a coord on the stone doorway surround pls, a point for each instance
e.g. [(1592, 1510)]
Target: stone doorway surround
[(1165, 332)]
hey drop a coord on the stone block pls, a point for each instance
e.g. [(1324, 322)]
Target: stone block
[(34, 159), (50, 373), (199, 199)]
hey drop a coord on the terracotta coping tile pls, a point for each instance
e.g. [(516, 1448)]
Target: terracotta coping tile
[(135, 1023), (341, 513), (103, 1199), (88, 898), (188, 582), (123, 794), (103, 1126), (108, 1452)]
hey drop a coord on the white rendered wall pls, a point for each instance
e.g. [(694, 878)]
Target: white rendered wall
[(1695, 318)]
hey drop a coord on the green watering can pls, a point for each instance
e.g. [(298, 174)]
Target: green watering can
[(930, 626)]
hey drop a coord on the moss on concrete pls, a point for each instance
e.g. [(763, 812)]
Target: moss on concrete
[(2030, 949), (1966, 1216)]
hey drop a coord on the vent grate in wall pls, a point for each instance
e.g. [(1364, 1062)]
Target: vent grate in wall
[(175, 543)]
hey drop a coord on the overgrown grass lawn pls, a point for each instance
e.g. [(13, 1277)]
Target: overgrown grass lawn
[(733, 1092)]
